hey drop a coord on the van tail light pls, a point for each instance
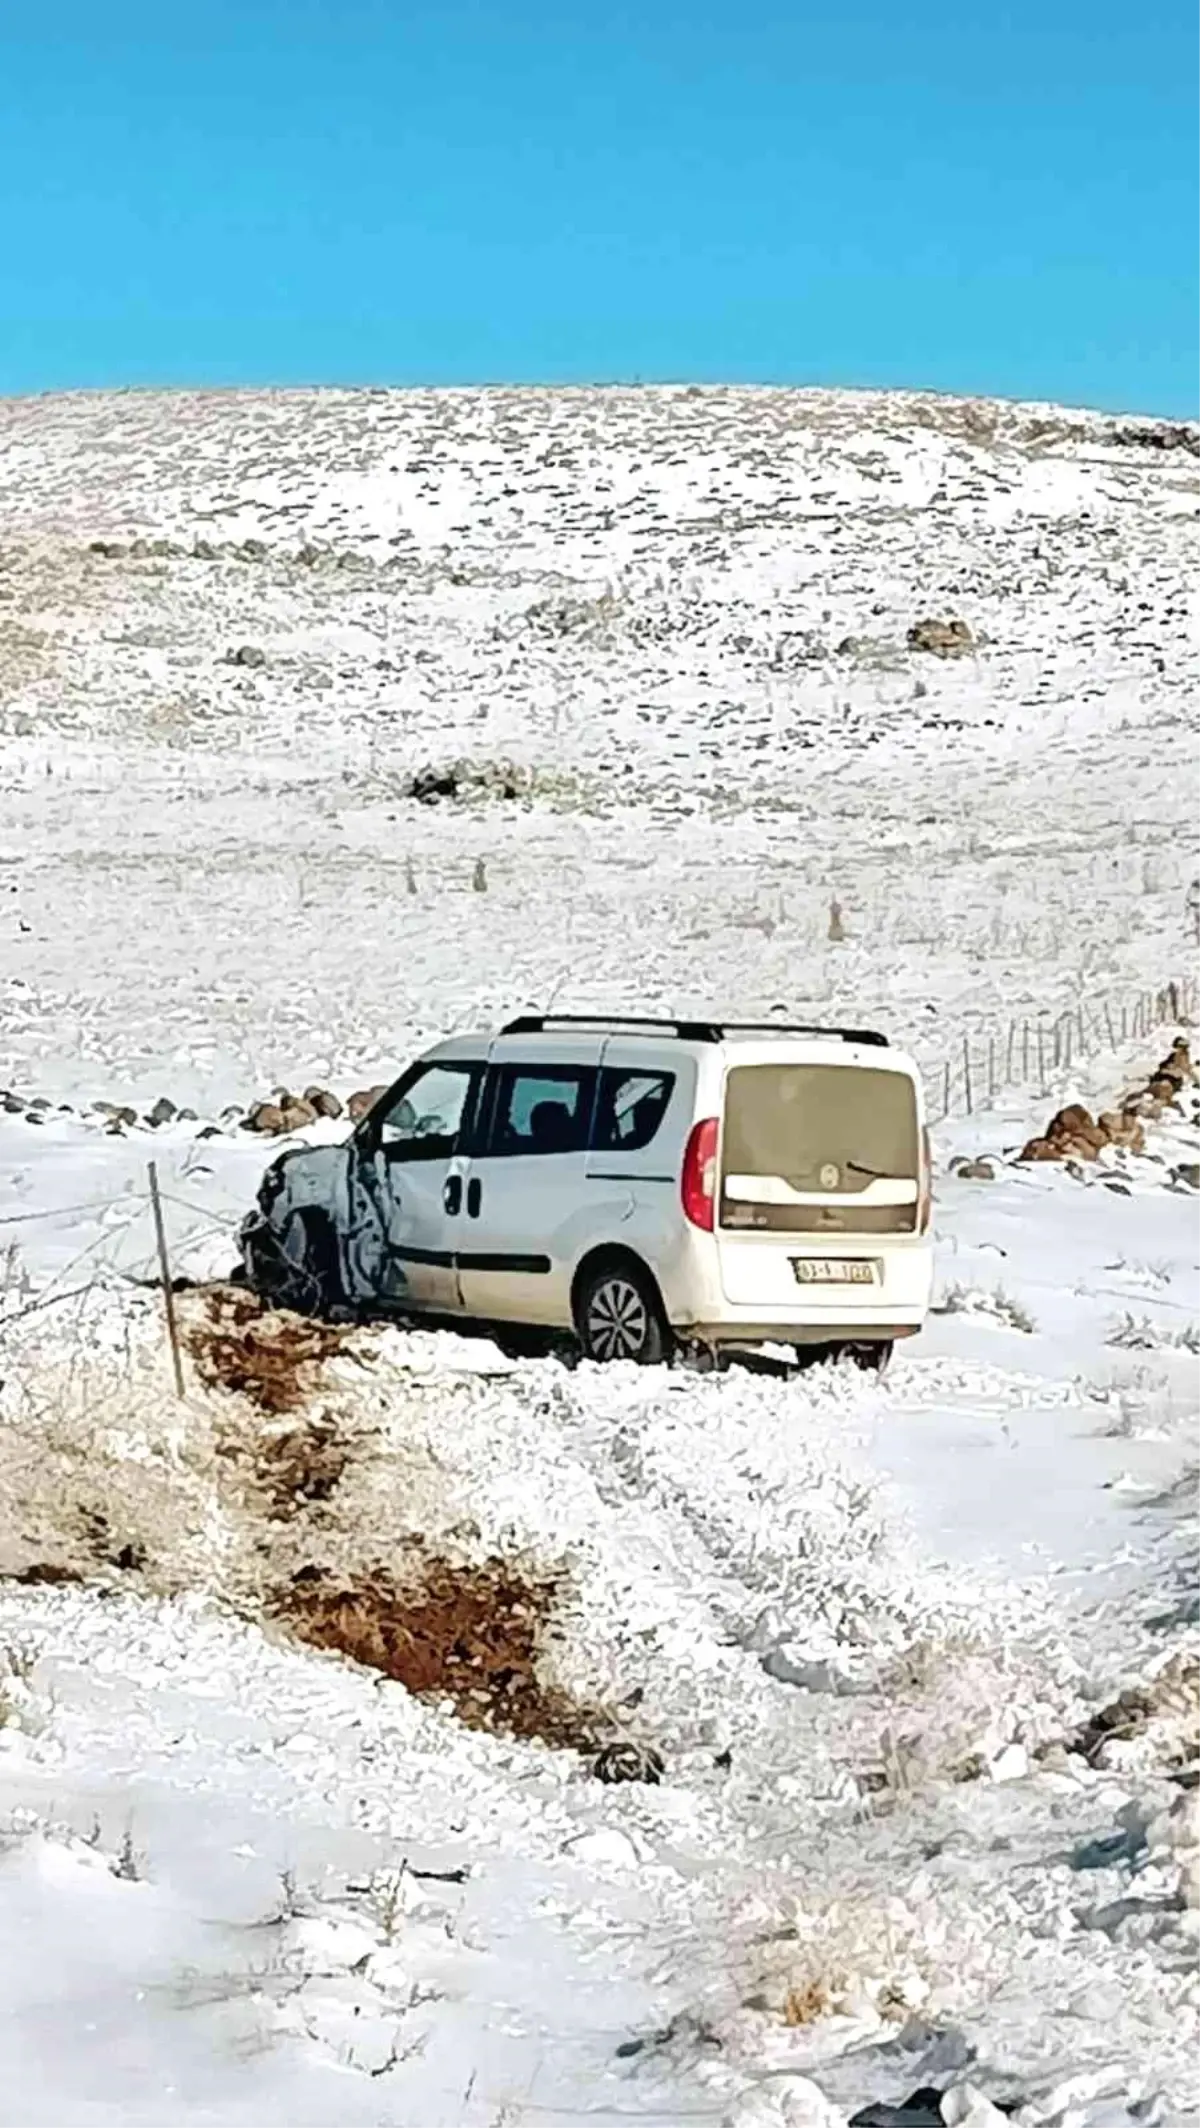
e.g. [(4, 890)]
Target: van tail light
[(698, 1182), (925, 1188)]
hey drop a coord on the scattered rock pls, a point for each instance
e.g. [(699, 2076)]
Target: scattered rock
[(247, 654), (469, 779), (163, 1111), (627, 1761), (361, 1104), (1177, 1064), (13, 1104), (1187, 1174), (1158, 436), (973, 1170), (46, 1574), (323, 1102), (1074, 1134), (110, 550), (297, 1114), (265, 1117), (943, 639), (430, 785), (921, 2109), (1163, 1091)]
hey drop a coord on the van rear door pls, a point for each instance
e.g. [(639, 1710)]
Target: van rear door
[(820, 1175)]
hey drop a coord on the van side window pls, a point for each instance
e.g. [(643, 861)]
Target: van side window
[(422, 1119), (541, 1109), (631, 1106)]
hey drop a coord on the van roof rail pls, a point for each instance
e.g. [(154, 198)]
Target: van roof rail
[(687, 1030)]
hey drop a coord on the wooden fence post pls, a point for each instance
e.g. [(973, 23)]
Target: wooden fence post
[(164, 1265), (967, 1071)]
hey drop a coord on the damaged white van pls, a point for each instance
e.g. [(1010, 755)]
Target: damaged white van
[(637, 1185)]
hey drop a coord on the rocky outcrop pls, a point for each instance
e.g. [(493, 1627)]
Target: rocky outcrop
[(1075, 1134), (942, 639)]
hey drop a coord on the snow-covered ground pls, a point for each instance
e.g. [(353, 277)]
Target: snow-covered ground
[(869, 1628)]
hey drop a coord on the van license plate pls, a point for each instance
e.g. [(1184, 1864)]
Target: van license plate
[(833, 1271)]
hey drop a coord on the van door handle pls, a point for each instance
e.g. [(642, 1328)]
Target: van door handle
[(452, 1194), (474, 1197)]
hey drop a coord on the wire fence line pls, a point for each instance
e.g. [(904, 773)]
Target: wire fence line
[(18, 1300), (1025, 1051), (1034, 1050)]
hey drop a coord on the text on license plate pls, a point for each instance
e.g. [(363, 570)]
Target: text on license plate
[(834, 1271)]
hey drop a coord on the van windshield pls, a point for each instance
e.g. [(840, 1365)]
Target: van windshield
[(820, 1148)]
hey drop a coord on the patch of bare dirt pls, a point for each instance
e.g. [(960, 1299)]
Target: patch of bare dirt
[(269, 1355), (471, 1634), (291, 1466)]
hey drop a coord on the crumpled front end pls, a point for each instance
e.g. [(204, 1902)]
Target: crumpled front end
[(275, 1238)]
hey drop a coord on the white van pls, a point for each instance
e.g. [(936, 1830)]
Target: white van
[(640, 1184)]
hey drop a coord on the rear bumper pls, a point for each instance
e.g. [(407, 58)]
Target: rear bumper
[(784, 1312), (837, 1330)]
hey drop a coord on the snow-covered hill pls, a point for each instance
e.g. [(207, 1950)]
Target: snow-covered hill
[(907, 1834), (684, 615)]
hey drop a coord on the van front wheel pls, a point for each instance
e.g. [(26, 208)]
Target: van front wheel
[(618, 1315)]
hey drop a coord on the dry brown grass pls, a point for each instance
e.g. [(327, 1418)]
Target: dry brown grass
[(1169, 1702), (807, 2002), (296, 1466), (471, 1634), (267, 1354)]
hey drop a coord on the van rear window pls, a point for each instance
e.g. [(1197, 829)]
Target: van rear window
[(820, 1148)]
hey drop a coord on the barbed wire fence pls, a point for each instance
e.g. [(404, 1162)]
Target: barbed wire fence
[(151, 1269), (1035, 1050)]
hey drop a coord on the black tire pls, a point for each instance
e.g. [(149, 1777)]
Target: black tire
[(619, 1316), (308, 1282), (809, 1356), (517, 1341), (321, 1264), (874, 1356)]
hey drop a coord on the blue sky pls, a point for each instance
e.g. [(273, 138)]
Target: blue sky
[(979, 199)]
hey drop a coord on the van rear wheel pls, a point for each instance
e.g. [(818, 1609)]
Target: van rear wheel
[(873, 1355), (618, 1315)]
